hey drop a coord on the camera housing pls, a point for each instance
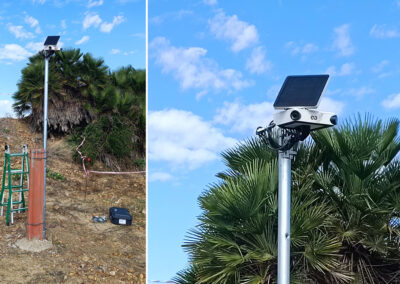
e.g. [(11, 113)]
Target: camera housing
[(51, 48), (298, 117)]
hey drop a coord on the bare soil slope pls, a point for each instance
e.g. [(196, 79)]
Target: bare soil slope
[(83, 251)]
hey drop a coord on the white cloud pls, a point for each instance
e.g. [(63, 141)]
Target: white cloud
[(301, 49), (384, 75), (123, 2), (379, 67), (273, 91), (14, 52), (156, 20), (128, 52), (193, 69), (82, 40), (107, 27), (210, 2), (240, 33), (139, 35), (6, 109), (19, 32), (63, 24), (342, 42), (93, 3), (175, 15), (257, 62), (309, 48), (360, 92), (392, 102), (295, 49), (160, 176), (328, 104), (91, 19), (244, 118), (330, 92), (35, 46), (118, 51), (184, 139), (345, 69), (381, 31), (33, 23), (41, 2)]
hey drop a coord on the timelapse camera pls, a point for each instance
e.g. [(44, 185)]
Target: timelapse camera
[(296, 117), (299, 97), (51, 43)]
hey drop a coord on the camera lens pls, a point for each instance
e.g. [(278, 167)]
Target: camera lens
[(334, 119), (295, 115)]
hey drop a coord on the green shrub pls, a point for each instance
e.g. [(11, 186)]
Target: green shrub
[(55, 175), (140, 164), (111, 140)]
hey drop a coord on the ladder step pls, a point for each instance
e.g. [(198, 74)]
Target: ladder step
[(13, 172), (17, 154), (19, 209), (14, 203), (20, 190), (16, 186)]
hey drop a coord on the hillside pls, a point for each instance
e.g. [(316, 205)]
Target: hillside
[(83, 251)]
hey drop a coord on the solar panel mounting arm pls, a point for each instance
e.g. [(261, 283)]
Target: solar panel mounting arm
[(289, 136)]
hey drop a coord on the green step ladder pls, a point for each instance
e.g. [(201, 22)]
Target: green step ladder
[(14, 206)]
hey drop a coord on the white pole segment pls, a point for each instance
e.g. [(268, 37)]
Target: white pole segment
[(284, 218), (46, 94)]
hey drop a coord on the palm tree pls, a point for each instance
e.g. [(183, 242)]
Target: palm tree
[(345, 190), (187, 276), (236, 239), (66, 107), (131, 99), (360, 177), (85, 97)]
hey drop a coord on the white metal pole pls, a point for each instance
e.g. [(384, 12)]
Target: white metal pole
[(284, 217), (46, 83)]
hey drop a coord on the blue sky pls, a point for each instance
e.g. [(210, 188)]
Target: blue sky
[(112, 30), (215, 68)]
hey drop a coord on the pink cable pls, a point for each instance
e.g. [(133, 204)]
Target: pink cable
[(100, 172), (117, 173)]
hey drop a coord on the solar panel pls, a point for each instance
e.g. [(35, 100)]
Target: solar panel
[(301, 91), (51, 40)]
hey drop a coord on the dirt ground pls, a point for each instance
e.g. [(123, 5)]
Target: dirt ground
[(83, 251)]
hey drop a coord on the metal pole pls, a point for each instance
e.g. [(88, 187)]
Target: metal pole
[(284, 161), (46, 83)]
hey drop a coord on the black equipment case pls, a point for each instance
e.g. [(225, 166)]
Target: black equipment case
[(120, 216)]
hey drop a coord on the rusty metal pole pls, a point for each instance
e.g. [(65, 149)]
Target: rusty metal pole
[(34, 229)]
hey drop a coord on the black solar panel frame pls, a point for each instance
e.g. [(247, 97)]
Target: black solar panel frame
[(291, 95), (52, 40)]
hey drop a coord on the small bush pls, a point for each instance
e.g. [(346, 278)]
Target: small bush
[(55, 175), (111, 140), (140, 164)]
